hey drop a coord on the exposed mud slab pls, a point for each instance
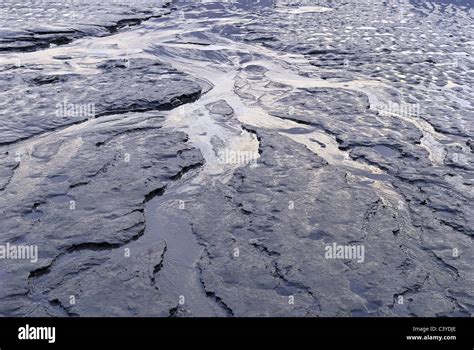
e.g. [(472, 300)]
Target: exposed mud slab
[(72, 98), (35, 25), (201, 162)]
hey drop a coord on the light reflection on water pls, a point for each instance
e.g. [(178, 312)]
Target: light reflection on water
[(467, 3), (259, 5)]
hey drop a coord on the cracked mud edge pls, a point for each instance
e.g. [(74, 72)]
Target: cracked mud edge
[(14, 169), (56, 303), (89, 246), (210, 294), (157, 268)]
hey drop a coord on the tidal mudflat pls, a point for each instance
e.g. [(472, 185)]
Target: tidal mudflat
[(236, 158)]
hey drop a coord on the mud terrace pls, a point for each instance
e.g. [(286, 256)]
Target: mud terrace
[(179, 159)]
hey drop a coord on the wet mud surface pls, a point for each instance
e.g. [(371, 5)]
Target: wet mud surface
[(197, 158)]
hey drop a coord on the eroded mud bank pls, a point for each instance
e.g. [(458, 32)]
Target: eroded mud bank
[(199, 163)]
